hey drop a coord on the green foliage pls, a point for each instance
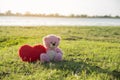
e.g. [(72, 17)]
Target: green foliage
[(90, 53)]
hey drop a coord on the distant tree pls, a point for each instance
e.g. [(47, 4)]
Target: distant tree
[(9, 12), (78, 16), (27, 13), (84, 16), (56, 14), (107, 16), (18, 14), (117, 16), (72, 15), (1, 14)]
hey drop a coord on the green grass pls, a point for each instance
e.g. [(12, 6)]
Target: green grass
[(90, 53)]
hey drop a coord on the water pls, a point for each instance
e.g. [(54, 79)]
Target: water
[(51, 21)]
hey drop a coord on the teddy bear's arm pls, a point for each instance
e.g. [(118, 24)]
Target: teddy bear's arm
[(58, 50)]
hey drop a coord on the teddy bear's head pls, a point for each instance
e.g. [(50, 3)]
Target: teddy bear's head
[(51, 41)]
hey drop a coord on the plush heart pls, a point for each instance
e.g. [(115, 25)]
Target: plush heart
[(30, 54)]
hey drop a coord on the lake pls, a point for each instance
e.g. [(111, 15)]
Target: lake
[(52, 21)]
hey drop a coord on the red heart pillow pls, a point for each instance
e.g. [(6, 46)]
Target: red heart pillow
[(30, 54)]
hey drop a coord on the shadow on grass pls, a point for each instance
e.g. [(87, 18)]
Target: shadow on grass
[(66, 66), (77, 68)]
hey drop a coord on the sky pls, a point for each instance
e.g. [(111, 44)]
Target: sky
[(63, 7)]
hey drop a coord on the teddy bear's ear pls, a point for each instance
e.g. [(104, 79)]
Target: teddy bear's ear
[(45, 39), (59, 38)]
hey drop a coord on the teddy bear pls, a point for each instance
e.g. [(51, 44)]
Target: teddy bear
[(53, 53)]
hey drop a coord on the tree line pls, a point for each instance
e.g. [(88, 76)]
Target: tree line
[(9, 13)]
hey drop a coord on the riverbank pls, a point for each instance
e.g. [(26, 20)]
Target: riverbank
[(90, 53)]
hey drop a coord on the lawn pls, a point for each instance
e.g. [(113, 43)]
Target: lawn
[(90, 53)]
